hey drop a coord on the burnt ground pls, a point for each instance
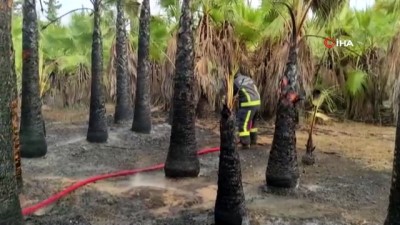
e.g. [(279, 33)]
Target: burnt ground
[(348, 185)]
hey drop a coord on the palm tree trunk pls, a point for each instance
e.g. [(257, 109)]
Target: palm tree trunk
[(142, 116), (33, 141), (124, 107), (170, 115), (282, 170), (230, 202), (10, 210), (182, 160), (16, 121), (393, 214), (97, 131)]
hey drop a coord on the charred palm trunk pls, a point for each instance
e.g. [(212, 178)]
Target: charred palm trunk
[(182, 160), (33, 141), (97, 131), (230, 202), (123, 108), (142, 116), (393, 214), (10, 210), (282, 170), (170, 115), (15, 121)]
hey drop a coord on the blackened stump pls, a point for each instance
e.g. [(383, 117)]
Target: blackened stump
[(230, 203), (393, 214), (123, 107), (182, 160), (142, 116), (10, 208), (282, 170), (308, 158), (97, 131), (32, 138)]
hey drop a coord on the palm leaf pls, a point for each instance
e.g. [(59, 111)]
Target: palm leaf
[(355, 82)]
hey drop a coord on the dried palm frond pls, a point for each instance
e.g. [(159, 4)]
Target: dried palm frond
[(68, 89), (269, 62), (228, 98), (15, 121), (168, 70), (212, 57), (156, 84), (207, 60)]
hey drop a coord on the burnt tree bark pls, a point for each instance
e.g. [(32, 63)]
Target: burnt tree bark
[(230, 203), (170, 115), (97, 131), (142, 115), (182, 160), (10, 210), (393, 213), (32, 136), (282, 170), (16, 121), (123, 107)]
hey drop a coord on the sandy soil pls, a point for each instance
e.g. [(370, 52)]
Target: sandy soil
[(348, 185)]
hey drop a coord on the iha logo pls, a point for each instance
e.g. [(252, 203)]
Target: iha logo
[(331, 42)]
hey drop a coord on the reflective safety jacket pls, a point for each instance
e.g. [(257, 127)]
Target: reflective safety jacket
[(248, 92)]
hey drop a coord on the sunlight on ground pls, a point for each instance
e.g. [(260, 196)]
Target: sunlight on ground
[(71, 115), (370, 145)]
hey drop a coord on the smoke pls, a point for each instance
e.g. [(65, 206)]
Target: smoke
[(149, 180)]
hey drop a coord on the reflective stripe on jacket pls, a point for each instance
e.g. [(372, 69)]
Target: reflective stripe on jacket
[(248, 92)]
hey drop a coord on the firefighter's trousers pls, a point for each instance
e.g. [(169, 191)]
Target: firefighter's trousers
[(246, 122)]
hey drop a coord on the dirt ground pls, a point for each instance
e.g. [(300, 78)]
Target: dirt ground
[(348, 185)]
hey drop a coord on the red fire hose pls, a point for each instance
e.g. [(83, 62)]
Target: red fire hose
[(30, 210)]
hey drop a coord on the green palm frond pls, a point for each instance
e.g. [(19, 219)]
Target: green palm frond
[(70, 62), (172, 8), (159, 36), (390, 6), (326, 10), (356, 81), (328, 97)]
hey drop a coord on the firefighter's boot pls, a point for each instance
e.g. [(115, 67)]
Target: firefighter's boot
[(245, 141), (253, 138)]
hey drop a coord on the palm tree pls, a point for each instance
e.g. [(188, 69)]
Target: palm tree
[(123, 107), (97, 131), (282, 170), (142, 115), (182, 160), (393, 215), (230, 202), (10, 210), (32, 135)]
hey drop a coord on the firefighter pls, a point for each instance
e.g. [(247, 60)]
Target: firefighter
[(249, 105)]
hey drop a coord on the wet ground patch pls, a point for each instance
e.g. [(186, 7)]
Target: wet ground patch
[(344, 187)]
